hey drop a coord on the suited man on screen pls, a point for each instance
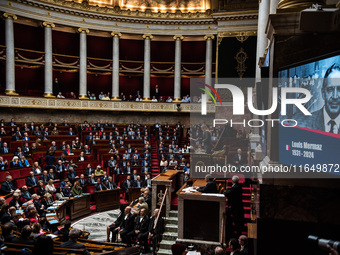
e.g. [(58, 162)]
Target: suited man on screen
[(328, 117)]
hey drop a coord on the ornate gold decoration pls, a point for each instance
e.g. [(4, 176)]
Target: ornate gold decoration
[(146, 99), (242, 37), (241, 58), (207, 37), (8, 15), (83, 30), (83, 97), (49, 95), (160, 196), (237, 34), (116, 99), (113, 34), (176, 100), (11, 93), (48, 24), (147, 36), (115, 11), (178, 37), (298, 4)]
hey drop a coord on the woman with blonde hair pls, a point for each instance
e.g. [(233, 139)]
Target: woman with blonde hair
[(77, 190), (50, 188), (23, 162)]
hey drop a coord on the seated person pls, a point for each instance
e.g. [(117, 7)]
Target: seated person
[(77, 190), (67, 191), (25, 236), (99, 186), (72, 242), (31, 180), (140, 230), (210, 187), (125, 225)]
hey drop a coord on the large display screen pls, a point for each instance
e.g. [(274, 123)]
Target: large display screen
[(312, 140)]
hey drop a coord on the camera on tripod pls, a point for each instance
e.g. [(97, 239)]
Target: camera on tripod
[(322, 243)]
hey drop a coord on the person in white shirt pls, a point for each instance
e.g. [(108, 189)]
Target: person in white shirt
[(50, 188), (139, 98), (169, 100), (60, 95), (154, 99)]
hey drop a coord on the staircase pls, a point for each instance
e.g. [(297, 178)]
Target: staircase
[(155, 169), (170, 235)]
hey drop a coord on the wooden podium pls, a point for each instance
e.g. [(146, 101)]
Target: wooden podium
[(201, 216), (107, 199), (79, 206), (171, 181)]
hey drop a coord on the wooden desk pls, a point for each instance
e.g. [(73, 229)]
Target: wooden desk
[(201, 217), (61, 212), (79, 206), (107, 199), (134, 193)]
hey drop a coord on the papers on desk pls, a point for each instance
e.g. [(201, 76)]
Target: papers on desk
[(52, 236), (19, 211), (189, 190), (213, 194), (193, 253), (52, 208)]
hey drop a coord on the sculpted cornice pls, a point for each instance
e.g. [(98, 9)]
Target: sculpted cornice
[(119, 15), (148, 17)]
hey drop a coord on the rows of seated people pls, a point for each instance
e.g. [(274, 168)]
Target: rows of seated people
[(28, 232), (56, 163)]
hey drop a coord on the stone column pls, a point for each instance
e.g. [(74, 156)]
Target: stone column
[(147, 57), (208, 59), (262, 40), (10, 58), (177, 75), (48, 59), (273, 6), (83, 64), (115, 66)]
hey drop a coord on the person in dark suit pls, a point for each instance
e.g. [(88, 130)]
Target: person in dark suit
[(113, 226), (44, 177), (110, 184), (155, 232), (89, 170), (82, 180), (99, 186), (65, 231), (5, 149), (50, 160), (236, 213), (239, 159), (125, 226), (140, 230), (233, 247), (128, 183), (7, 186), (25, 236), (72, 242), (243, 242), (207, 139), (210, 187)]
